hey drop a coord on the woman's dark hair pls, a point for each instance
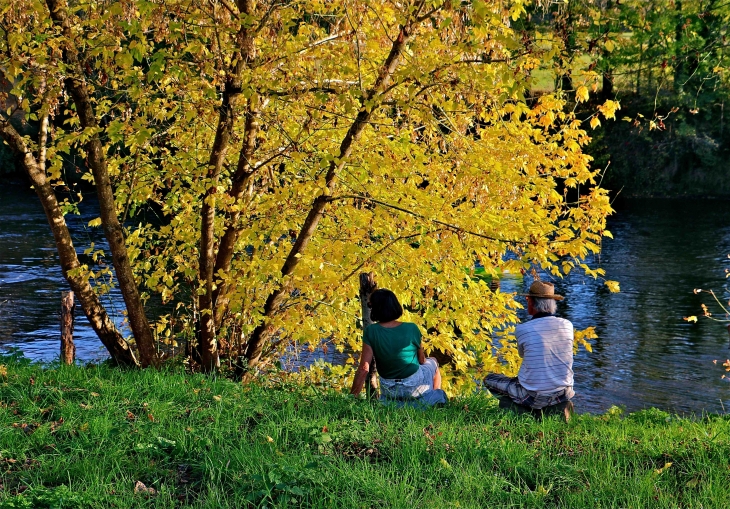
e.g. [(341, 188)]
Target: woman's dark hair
[(384, 306)]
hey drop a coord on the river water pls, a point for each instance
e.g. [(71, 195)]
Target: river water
[(645, 356)]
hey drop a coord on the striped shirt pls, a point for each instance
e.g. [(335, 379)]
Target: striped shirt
[(546, 347)]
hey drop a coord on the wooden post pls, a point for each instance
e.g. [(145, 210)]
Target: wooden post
[(368, 286), (68, 349)]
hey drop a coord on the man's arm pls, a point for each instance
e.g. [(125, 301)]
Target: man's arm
[(366, 357)]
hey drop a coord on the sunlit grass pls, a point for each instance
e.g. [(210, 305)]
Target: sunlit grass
[(84, 437)]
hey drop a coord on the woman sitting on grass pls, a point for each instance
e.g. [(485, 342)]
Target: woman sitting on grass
[(405, 372)]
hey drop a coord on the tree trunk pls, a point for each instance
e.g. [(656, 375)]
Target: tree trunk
[(679, 68), (68, 349), (96, 158), (206, 264), (241, 182), (263, 331), (367, 287), (93, 309), (607, 85)]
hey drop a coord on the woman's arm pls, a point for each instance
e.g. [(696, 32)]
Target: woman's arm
[(421, 355), (363, 369)]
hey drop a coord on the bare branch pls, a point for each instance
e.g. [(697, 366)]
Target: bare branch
[(448, 226), (320, 42)]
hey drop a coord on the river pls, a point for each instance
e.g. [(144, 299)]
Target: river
[(646, 354)]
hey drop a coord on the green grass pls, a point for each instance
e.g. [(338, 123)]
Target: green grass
[(83, 437)]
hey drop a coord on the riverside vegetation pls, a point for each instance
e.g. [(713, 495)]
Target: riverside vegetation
[(75, 437)]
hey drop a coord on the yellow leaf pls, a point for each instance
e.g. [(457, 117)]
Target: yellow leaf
[(595, 122), (690, 318), (581, 95), (95, 222), (609, 45), (269, 439), (613, 286), (217, 398), (666, 466)]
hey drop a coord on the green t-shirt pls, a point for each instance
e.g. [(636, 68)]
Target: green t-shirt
[(395, 349)]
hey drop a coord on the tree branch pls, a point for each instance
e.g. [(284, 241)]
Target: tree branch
[(376, 253), (448, 226), (385, 73)]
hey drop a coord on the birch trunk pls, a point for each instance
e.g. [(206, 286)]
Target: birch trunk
[(96, 158)]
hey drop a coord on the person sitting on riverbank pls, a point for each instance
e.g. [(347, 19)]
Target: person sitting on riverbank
[(405, 372), (545, 344)]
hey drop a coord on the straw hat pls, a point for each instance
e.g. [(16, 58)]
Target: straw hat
[(543, 291)]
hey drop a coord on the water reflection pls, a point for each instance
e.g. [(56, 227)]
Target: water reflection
[(31, 280), (646, 355)]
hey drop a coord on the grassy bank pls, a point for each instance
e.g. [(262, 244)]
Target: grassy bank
[(84, 437)]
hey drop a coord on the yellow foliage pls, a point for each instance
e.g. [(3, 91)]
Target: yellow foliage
[(453, 168), (613, 286)]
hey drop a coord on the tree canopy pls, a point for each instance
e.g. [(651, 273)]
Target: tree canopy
[(288, 145)]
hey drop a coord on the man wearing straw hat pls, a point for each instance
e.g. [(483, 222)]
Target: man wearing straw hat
[(545, 344)]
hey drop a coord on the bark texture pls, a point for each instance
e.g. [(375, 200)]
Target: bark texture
[(241, 187), (68, 349), (208, 344), (96, 159)]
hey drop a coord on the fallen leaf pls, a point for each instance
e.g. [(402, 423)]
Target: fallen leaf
[(131, 416), (217, 398), (141, 489), (95, 394), (269, 439), (56, 424), (666, 466), (151, 417)]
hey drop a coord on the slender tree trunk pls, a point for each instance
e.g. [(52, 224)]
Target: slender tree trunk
[(263, 331), (96, 158), (241, 183), (367, 287), (68, 349), (93, 309), (206, 303), (722, 120), (607, 85), (679, 68), (638, 69)]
